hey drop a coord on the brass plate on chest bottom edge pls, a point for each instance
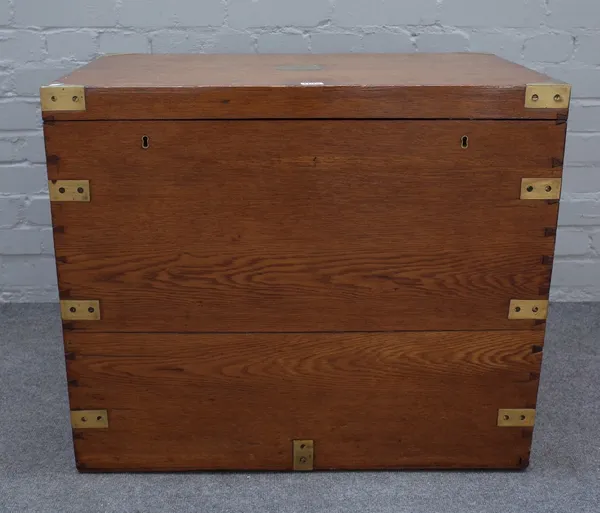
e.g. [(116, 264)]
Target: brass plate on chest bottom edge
[(303, 454)]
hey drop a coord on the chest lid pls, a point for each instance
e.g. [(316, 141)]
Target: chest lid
[(279, 86)]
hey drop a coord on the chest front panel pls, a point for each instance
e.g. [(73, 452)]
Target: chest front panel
[(286, 226)]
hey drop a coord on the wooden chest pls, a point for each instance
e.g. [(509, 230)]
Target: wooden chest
[(287, 262)]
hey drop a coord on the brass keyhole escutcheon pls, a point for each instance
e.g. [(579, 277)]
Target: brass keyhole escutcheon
[(145, 142), (464, 142)]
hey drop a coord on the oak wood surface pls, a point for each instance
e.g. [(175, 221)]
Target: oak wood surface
[(304, 225), (214, 70), (258, 264), (288, 86), (184, 402)]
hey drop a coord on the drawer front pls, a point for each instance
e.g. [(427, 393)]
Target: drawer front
[(368, 401), (286, 226)]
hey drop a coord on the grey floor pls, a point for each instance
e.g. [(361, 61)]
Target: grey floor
[(37, 472)]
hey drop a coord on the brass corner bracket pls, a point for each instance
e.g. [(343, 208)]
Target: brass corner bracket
[(522, 417), (89, 419), (547, 96), (69, 190), (536, 309), (540, 188), (83, 310), (61, 97)]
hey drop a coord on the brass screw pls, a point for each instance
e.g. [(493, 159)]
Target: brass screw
[(302, 459), (75, 98), (517, 309), (530, 188), (522, 417), (535, 97), (534, 309), (72, 309), (80, 190), (91, 309), (548, 188), (61, 190), (53, 98), (506, 417), (557, 98)]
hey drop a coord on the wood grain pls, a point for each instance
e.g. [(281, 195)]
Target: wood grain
[(303, 226), (436, 86), (217, 70), (184, 402), (259, 263)]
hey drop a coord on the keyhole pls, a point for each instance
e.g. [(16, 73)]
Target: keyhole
[(145, 142), (464, 142)]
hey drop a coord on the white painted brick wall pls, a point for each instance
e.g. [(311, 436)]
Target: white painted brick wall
[(243, 14), (388, 42), (41, 40), (178, 41), (283, 43), (356, 13), (536, 48), (443, 42)]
